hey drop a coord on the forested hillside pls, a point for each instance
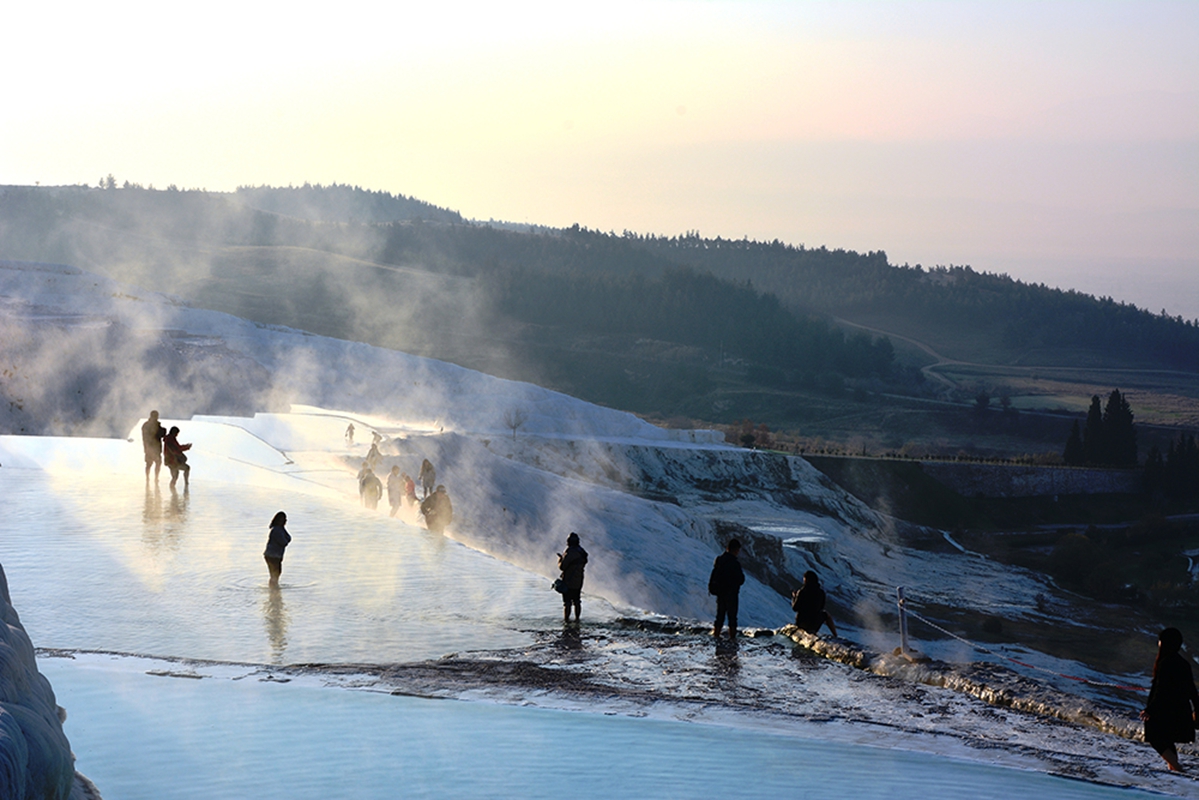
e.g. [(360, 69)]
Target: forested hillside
[(709, 329), (1019, 316)]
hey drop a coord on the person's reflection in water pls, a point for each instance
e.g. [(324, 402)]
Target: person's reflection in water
[(176, 510), (571, 638), (152, 509), (152, 525), (274, 613), (726, 664)]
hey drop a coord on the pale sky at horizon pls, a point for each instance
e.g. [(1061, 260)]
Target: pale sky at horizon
[(1057, 142)]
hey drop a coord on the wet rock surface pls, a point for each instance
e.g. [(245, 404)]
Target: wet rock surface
[(35, 757)]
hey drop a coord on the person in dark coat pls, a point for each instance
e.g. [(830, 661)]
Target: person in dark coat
[(1173, 707), (725, 582), (276, 543), (808, 604), (152, 436), (370, 488), (571, 563), (428, 477), (175, 459), (437, 510)]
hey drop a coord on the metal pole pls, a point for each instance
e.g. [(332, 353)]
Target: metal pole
[(903, 622)]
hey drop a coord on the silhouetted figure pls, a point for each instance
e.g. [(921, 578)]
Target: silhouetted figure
[(409, 490), (1173, 707), (428, 477), (371, 489), (376, 438), (572, 563), (373, 456), (276, 543), (395, 490), (152, 436), (808, 604), (350, 434), (725, 582), (175, 459), (437, 510)]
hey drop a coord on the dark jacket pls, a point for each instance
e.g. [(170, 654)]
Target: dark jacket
[(172, 451), (1172, 702), (572, 563), (277, 542), (726, 577), (438, 511), (808, 606)]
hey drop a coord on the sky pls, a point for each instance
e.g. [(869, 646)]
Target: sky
[(1055, 141)]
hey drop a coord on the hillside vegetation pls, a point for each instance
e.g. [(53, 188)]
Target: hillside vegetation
[(709, 331)]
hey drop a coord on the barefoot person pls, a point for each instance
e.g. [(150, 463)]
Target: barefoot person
[(1173, 707), (276, 543), (174, 456), (152, 435), (395, 490)]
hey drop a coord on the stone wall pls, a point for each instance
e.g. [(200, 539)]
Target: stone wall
[(1015, 480)]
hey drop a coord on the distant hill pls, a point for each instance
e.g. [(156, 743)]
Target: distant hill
[(708, 329), (341, 203)]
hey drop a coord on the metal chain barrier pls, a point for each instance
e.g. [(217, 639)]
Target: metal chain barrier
[(904, 610)]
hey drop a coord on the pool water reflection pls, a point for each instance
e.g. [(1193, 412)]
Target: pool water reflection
[(102, 563)]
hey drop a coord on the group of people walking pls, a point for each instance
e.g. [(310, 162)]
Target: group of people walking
[(435, 504)]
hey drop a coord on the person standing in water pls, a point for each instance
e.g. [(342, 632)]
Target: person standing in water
[(409, 490), (1173, 707), (276, 543), (173, 456), (572, 563), (725, 582), (437, 510), (395, 490), (152, 436), (371, 489)]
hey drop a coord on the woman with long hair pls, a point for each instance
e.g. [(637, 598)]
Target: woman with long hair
[(1173, 706), (276, 543)]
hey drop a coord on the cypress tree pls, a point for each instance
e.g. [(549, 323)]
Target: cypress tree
[(1119, 448), (1155, 471)]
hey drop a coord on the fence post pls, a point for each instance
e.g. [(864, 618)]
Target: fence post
[(903, 623)]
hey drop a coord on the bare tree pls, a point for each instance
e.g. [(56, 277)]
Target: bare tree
[(514, 418)]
